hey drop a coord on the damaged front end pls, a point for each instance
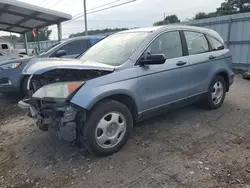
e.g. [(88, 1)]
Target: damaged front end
[(58, 117), (49, 98)]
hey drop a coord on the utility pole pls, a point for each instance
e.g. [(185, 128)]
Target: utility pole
[(85, 17), (164, 17)]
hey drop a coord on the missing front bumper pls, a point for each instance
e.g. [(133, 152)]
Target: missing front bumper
[(59, 119)]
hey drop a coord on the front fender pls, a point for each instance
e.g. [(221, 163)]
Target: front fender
[(88, 97)]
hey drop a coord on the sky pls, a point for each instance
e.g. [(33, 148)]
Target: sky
[(141, 13)]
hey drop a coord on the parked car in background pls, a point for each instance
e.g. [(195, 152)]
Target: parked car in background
[(125, 78), (4, 57), (7, 49), (11, 71)]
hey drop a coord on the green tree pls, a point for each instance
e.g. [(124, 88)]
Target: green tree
[(42, 34), (234, 7), (201, 15), (168, 20)]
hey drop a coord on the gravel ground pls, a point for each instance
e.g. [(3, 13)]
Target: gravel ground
[(189, 147)]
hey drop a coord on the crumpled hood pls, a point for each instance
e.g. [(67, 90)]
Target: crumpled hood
[(39, 66)]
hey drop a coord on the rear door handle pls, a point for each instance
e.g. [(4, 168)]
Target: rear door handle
[(212, 57), (181, 63)]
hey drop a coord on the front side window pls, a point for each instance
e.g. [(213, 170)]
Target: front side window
[(115, 49), (196, 42), (75, 47), (49, 48), (216, 45), (168, 44)]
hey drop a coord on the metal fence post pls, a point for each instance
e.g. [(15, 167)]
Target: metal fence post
[(59, 30), (25, 43), (229, 31)]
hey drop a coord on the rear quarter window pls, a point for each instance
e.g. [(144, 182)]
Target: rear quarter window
[(215, 44)]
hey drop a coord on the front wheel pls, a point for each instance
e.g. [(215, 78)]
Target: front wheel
[(108, 127), (216, 93)]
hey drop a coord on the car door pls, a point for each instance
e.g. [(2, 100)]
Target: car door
[(199, 60), (74, 48), (159, 85)]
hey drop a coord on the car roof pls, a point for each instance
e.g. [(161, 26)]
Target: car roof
[(166, 27), (84, 37), (146, 29), (159, 29)]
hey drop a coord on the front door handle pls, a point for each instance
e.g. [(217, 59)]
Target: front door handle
[(212, 57), (181, 63)]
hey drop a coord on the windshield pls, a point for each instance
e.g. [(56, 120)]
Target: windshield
[(47, 49), (115, 49)]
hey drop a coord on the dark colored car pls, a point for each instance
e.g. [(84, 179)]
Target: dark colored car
[(11, 79)]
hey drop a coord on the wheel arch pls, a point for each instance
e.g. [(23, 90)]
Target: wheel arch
[(123, 98), (224, 74)]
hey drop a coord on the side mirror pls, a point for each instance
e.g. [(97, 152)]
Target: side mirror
[(154, 59), (60, 53)]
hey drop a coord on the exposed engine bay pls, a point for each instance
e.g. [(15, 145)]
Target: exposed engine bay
[(62, 75), (59, 116)]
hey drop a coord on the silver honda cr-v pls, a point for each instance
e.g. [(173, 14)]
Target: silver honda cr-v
[(129, 76)]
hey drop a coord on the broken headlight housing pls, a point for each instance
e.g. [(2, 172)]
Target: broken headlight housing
[(58, 91)]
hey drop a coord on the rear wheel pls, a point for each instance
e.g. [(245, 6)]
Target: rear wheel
[(216, 93), (108, 127)]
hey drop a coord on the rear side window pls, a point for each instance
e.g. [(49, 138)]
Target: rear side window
[(168, 44), (196, 42), (216, 45)]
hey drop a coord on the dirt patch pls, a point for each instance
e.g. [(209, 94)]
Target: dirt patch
[(189, 147)]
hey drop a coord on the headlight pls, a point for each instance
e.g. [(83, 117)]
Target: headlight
[(59, 90), (10, 66)]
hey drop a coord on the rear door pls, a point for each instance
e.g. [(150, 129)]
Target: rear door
[(199, 60), (159, 85)]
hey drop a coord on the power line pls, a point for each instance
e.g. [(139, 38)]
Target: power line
[(91, 12), (56, 3), (81, 13), (41, 2), (46, 5), (104, 5), (44, 2)]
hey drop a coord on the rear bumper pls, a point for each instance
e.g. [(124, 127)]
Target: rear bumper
[(231, 79)]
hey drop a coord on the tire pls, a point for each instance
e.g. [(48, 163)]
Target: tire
[(215, 97), (24, 91), (102, 134)]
